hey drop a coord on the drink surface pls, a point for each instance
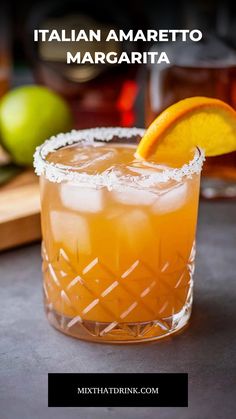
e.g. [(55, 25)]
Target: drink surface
[(118, 255), (100, 158)]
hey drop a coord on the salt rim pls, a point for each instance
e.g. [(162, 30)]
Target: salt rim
[(58, 173)]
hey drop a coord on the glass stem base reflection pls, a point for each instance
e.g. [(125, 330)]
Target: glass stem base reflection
[(120, 332)]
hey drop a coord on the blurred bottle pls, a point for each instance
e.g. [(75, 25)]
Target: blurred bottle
[(99, 94), (205, 68), (5, 64), (5, 50)]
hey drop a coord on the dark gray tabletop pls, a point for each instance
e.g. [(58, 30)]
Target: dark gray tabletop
[(30, 348)]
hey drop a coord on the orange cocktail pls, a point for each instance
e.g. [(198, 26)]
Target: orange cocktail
[(118, 236)]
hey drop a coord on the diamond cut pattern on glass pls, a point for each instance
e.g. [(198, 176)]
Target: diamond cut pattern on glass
[(102, 302)]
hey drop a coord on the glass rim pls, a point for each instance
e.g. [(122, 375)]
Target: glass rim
[(57, 173)]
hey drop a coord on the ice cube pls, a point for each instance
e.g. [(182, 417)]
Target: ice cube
[(92, 160), (114, 212), (71, 230), (171, 200), (144, 168), (83, 199), (84, 157), (134, 196), (135, 229)]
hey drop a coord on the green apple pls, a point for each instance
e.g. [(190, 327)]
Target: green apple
[(28, 116)]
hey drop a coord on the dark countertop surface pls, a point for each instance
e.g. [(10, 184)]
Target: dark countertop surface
[(30, 348)]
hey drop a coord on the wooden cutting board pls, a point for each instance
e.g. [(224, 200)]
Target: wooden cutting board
[(20, 211)]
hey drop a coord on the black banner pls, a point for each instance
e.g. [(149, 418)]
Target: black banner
[(113, 390)]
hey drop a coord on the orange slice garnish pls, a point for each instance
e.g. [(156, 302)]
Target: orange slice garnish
[(196, 121)]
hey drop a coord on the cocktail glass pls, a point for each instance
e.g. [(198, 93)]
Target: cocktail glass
[(118, 236)]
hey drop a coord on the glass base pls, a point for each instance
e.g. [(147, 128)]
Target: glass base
[(120, 332)]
